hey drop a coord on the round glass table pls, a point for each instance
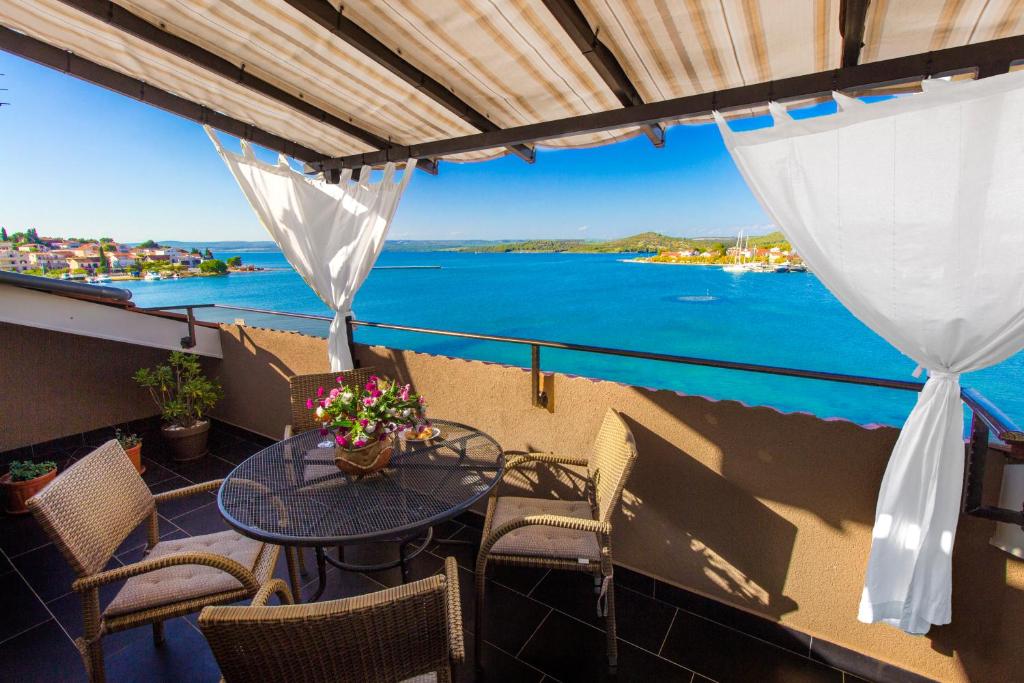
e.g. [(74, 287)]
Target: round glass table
[(292, 494)]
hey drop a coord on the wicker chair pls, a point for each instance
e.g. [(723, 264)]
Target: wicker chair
[(562, 534), (396, 634), (88, 512), (302, 387)]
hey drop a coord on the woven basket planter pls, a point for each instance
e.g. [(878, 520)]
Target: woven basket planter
[(365, 460)]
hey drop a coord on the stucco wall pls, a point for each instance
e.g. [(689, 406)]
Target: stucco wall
[(54, 384), (769, 512)]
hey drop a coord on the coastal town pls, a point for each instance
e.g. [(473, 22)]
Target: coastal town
[(104, 260)]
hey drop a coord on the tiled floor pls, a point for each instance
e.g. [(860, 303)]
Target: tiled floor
[(541, 626)]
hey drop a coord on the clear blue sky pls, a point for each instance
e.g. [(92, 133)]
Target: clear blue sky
[(78, 159)]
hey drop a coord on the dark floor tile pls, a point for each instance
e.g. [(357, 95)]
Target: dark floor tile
[(419, 567), (68, 612), (447, 529), (220, 437), (184, 656), (861, 665), (237, 451), (204, 520), (641, 620), (20, 533), (43, 654), (5, 565), (498, 667), (48, 573), (727, 655), (470, 518), (521, 579), (179, 506), (206, 468), (20, 607), (730, 616), (462, 546), (510, 618), (570, 651), (339, 584), (635, 581), (155, 472)]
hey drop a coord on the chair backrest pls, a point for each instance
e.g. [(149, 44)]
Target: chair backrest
[(92, 506), (302, 387), (390, 635), (611, 462)]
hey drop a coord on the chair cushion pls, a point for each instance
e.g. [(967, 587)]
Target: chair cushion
[(544, 541), (186, 581)]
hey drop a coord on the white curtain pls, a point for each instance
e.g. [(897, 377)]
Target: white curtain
[(331, 234), (911, 212)]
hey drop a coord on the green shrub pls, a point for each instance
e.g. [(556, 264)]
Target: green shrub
[(213, 266), (180, 390), (25, 470)]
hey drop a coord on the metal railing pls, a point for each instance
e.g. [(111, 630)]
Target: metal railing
[(986, 418)]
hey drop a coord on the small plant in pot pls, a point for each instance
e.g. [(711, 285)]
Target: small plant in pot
[(25, 479), (132, 445), (185, 396), (363, 421)]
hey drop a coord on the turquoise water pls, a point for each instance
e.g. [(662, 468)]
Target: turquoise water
[(788, 320)]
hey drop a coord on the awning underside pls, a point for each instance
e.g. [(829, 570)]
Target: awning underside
[(506, 63)]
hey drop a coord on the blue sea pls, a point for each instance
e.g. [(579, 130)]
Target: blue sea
[(597, 299)]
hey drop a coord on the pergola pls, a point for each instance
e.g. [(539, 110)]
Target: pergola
[(469, 80)]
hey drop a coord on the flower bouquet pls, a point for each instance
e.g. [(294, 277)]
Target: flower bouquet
[(364, 421)]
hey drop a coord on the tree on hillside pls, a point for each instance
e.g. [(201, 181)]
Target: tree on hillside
[(207, 254), (213, 267), (194, 250), (104, 266), (235, 262), (106, 240), (149, 244), (3, 234)]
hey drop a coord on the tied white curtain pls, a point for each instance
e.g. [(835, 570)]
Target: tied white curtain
[(331, 234), (911, 212)]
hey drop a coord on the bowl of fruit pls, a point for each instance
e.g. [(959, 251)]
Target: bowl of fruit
[(422, 434)]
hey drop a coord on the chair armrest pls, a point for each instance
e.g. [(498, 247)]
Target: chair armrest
[(287, 433), (557, 521), (225, 564), (456, 645), (521, 458), (270, 588), (186, 491)]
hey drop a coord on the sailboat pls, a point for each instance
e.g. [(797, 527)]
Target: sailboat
[(737, 265)]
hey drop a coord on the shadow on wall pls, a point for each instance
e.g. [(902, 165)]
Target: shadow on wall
[(730, 545)]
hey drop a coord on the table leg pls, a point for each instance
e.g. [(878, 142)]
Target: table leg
[(401, 561), (321, 570), (291, 554)]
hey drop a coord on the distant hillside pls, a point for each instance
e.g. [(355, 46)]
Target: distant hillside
[(772, 239), (227, 245), (439, 245), (645, 242)]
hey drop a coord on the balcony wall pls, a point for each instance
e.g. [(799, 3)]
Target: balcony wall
[(765, 511), (768, 512)]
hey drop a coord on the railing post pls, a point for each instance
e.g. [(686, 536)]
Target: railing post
[(190, 341), (974, 474), (350, 335), (539, 398)]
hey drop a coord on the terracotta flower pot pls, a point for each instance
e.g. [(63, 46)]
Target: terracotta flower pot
[(187, 443), (365, 460), (135, 455), (20, 491)]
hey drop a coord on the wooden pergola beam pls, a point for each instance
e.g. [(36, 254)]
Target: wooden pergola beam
[(117, 16), (572, 20), (61, 60), (853, 16), (323, 13), (987, 58)]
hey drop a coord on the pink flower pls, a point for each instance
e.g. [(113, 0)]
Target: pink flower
[(342, 441), (375, 393), (359, 444), (374, 378), (341, 380), (405, 393), (309, 404), (370, 386), (422, 400), (368, 401), (364, 422), (320, 392), (334, 393)]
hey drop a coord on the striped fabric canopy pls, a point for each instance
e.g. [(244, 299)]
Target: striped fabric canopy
[(512, 61)]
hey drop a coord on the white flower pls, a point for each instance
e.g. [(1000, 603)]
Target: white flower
[(407, 412), (320, 412), (346, 397)]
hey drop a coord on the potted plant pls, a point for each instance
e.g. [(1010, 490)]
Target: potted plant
[(364, 420), (184, 396), (132, 445), (25, 479)]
